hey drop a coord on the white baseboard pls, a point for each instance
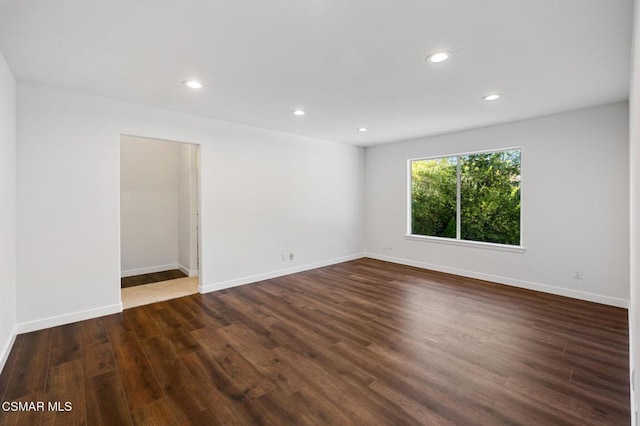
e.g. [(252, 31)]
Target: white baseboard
[(187, 271), (149, 270), (279, 273), (6, 350), (40, 324), (544, 288)]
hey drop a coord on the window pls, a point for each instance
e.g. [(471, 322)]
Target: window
[(467, 197)]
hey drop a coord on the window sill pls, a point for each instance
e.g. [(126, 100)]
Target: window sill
[(474, 244)]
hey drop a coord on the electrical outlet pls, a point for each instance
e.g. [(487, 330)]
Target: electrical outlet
[(577, 274), (291, 255), (283, 257)]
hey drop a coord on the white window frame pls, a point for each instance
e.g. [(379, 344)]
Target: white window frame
[(457, 241)]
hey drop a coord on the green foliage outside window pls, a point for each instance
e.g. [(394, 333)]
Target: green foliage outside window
[(433, 197), (489, 190)]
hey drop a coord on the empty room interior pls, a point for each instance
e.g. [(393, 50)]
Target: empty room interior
[(158, 220), (320, 212)]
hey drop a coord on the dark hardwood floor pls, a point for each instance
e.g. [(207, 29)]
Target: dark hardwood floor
[(363, 342), (154, 277)]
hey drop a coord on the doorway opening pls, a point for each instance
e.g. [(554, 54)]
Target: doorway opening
[(159, 221)]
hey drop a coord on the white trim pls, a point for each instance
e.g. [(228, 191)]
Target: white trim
[(459, 154), (149, 270), (57, 320), (409, 200), (261, 277), (4, 355), (458, 200), (544, 288), (465, 243), (187, 271)]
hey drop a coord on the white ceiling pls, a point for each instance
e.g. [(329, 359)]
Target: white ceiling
[(349, 63)]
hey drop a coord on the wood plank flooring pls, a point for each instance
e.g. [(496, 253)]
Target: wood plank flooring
[(154, 277), (363, 342)]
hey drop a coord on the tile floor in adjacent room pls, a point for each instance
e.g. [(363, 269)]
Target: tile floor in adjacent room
[(157, 292)]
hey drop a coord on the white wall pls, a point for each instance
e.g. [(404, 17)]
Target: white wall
[(149, 205), (634, 194), (575, 205), (262, 193), (7, 210), (188, 209)]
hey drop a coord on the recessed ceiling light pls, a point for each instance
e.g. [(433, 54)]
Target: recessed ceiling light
[(299, 112), (363, 129), (438, 57), (492, 97), (193, 84)]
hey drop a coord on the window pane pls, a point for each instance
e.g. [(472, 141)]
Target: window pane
[(490, 197), (433, 197)]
